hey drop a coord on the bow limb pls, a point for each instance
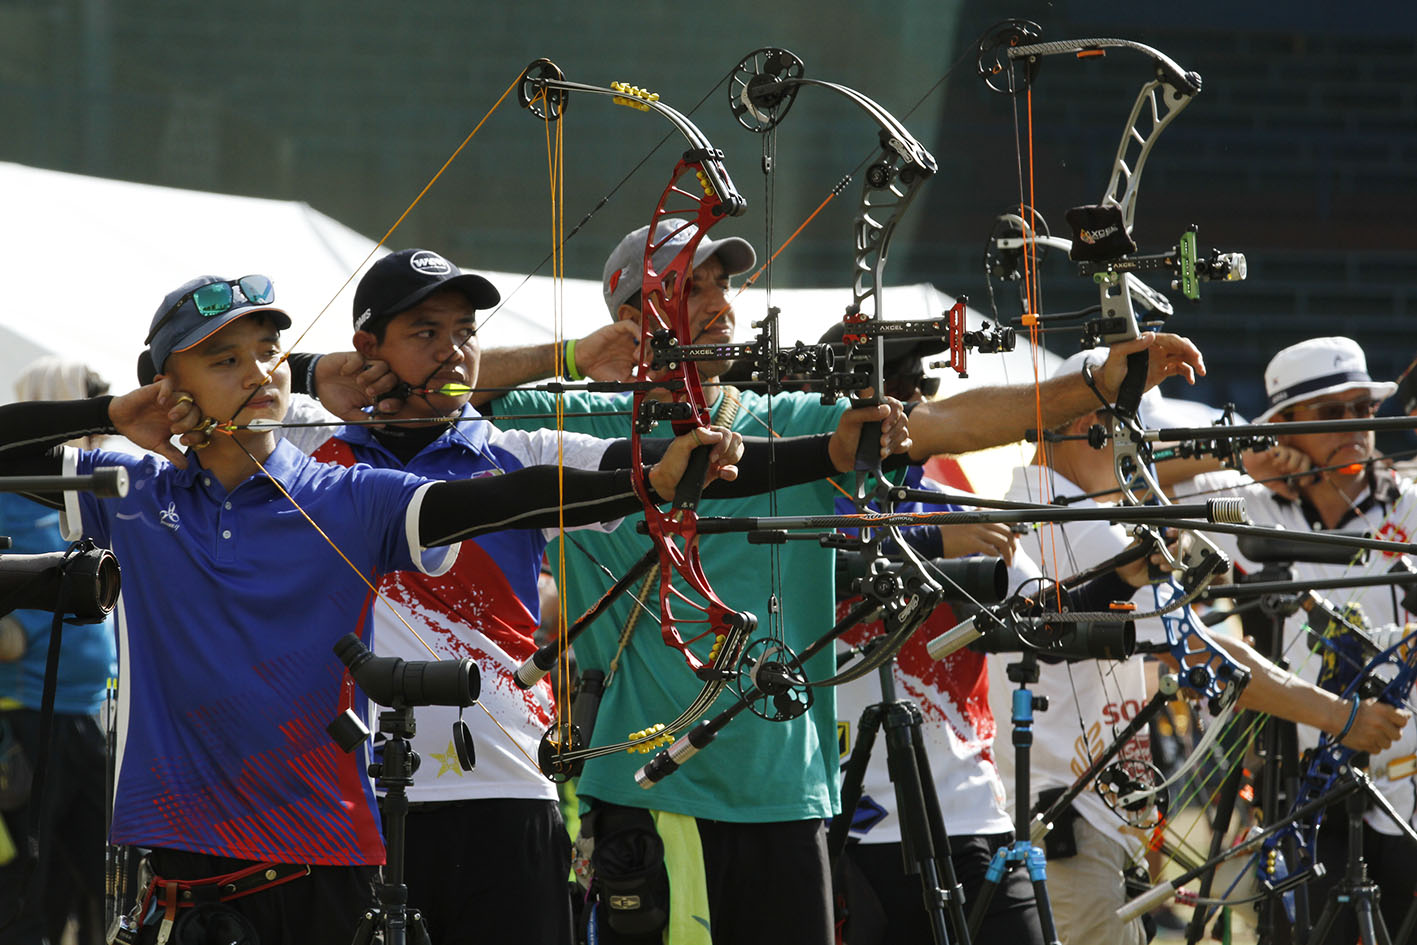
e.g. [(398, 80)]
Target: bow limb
[(762, 88), (1157, 104), (699, 195), (1102, 244)]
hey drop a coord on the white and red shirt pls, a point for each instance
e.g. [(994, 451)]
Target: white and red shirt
[(1088, 701), (485, 608), (957, 728)]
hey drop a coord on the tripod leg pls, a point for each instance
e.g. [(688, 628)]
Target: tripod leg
[(1319, 933), (1038, 872), (918, 838), (993, 876), (1404, 931), (853, 779), (417, 931), (364, 931), (1371, 930), (952, 886)]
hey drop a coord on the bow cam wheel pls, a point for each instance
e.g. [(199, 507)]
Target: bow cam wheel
[(771, 669), (1132, 789), (549, 754), (533, 94), (762, 86)]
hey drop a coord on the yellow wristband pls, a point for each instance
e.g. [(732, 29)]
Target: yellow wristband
[(571, 371)]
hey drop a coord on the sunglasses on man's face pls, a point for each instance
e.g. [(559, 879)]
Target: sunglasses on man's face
[(217, 298), (1342, 409), (903, 386)]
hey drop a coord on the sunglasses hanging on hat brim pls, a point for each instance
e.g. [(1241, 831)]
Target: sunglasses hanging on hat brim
[(217, 298)]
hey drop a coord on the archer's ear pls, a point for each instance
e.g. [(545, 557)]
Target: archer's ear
[(1081, 425), (628, 313), (366, 344)]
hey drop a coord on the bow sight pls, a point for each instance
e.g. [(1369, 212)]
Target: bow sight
[(1102, 244), (861, 334)]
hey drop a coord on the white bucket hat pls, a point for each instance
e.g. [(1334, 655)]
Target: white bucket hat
[(1317, 367)]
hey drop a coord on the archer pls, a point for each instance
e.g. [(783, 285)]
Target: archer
[(757, 808), (232, 601)]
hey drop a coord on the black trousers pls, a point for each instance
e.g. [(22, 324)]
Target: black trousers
[(766, 883), (1013, 914), (37, 896), (323, 908), (493, 870)]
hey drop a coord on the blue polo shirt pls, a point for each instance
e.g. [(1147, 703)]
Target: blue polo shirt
[(231, 603)]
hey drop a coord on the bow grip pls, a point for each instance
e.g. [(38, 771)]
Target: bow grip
[(691, 484), (868, 448), (1134, 383)]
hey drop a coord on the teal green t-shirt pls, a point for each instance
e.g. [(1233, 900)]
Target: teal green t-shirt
[(755, 771)]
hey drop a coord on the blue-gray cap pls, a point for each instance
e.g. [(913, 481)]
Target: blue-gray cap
[(624, 271), (179, 323)]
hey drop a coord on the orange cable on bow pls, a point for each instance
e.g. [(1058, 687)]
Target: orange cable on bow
[(397, 223), (764, 267), (555, 170), (1033, 294)]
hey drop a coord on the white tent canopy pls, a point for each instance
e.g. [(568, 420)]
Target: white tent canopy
[(87, 260)]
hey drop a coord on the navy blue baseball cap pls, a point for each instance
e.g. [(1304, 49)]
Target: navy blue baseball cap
[(401, 280), (201, 307)]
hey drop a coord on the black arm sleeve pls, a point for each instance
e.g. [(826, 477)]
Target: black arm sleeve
[(1100, 592), (302, 372), (799, 459), (31, 433), (526, 498)]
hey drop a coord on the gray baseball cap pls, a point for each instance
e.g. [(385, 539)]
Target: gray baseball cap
[(181, 322), (624, 270)]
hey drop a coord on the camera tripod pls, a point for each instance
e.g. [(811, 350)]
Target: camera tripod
[(925, 846), (400, 684), (1022, 851), (1356, 889), (393, 917)]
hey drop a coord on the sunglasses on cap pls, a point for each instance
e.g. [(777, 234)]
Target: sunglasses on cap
[(1342, 409), (217, 298)]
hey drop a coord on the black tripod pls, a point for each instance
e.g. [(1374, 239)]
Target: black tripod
[(401, 684), (1356, 889), (924, 845), (393, 916)]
